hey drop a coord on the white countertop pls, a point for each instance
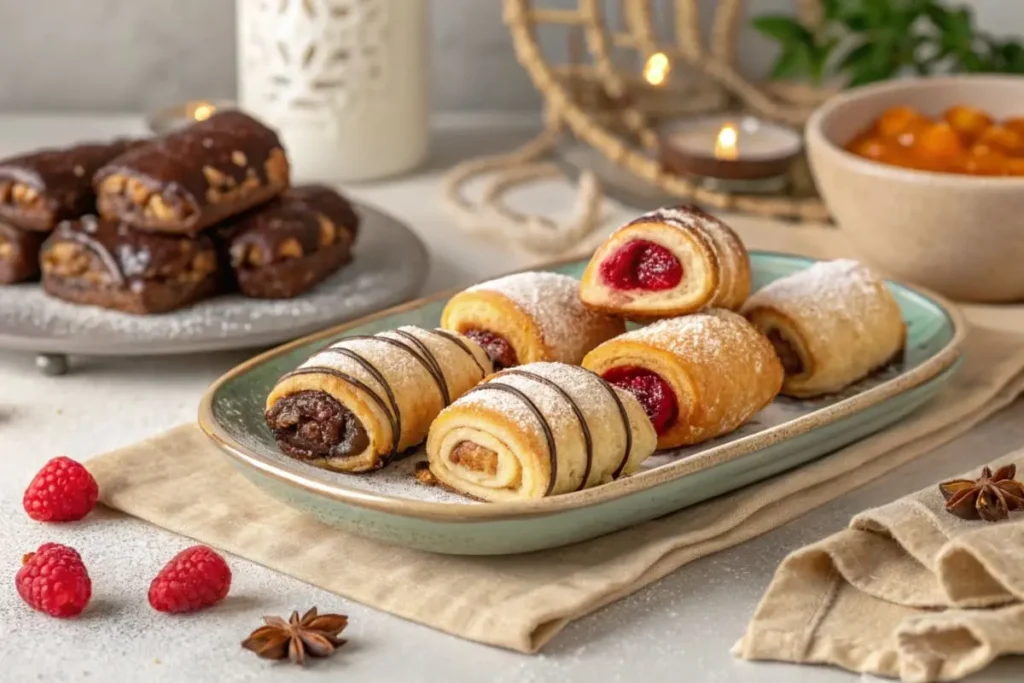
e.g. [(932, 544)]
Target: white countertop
[(686, 622)]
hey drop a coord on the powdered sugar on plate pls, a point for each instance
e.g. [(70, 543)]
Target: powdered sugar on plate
[(389, 266)]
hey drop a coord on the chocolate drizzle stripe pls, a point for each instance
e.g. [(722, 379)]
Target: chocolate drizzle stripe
[(345, 378), (429, 364), (395, 415), (458, 342), (625, 423), (428, 355), (584, 427), (548, 434), (101, 251)]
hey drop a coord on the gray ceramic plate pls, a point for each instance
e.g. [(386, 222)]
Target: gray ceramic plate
[(391, 506), (389, 266)]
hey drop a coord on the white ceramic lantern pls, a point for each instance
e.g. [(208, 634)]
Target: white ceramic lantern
[(344, 82)]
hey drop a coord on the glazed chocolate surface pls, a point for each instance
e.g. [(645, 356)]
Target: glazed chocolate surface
[(231, 143), (130, 255), (314, 424), (19, 253), (295, 215), (63, 177)]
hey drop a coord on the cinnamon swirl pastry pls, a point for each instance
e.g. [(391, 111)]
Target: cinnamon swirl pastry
[(665, 263), (357, 404), (528, 318), (538, 430), (697, 377), (831, 325)]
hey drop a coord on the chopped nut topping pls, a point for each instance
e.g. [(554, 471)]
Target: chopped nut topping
[(239, 158), (213, 176), (290, 248), (328, 233), (24, 195), (6, 249), (158, 208)]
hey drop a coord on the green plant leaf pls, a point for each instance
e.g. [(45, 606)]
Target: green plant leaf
[(938, 15), (794, 63), (855, 56), (784, 29)]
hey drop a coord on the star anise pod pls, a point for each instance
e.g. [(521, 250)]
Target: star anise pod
[(991, 497), (314, 634)]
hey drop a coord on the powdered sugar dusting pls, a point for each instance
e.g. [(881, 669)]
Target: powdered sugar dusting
[(582, 385), (702, 337), (829, 293), (552, 300)]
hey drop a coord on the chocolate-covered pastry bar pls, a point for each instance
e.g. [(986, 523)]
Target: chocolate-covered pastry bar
[(19, 253), (40, 189), (194, 177), (284, 248), (105, 263)]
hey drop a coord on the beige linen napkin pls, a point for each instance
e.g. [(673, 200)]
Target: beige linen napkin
[(907, 591), (520, 602)]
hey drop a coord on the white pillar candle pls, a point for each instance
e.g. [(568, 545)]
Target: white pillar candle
[(344, 82)]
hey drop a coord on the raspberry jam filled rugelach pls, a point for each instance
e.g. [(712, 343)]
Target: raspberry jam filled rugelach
[(285, 247), (104, 263), (698, 376), (529, 318), (40, 189), (665, 263), (194, 177)]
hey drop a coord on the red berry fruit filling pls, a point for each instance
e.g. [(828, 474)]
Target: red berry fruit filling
[(654, 394), (195, 578), (642, 265), (54, 580), (497, 348), (63, 491)]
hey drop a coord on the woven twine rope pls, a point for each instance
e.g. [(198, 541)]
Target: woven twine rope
[(612, 111)]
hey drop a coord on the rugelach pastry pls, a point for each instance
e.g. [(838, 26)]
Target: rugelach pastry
[(103, 263), (359, 403), (538, 430), (698, 376), (19, 254), (665, 263), (529, 318), (831, 325), (285, 247), (40, 189), (194, 177)]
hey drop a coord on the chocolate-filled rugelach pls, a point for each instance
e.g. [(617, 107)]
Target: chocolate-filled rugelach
[(359, 403), (194, 177), (283, 248), (40, 189), (19, 253), (104, 263)]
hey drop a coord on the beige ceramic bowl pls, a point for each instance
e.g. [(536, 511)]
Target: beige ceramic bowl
[(959, 235)]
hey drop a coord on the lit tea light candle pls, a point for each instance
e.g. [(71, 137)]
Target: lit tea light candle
[(727, 147), (657, 68), (181, 115)]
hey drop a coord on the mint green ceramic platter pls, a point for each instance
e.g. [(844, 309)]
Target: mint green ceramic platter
[(391, 506)]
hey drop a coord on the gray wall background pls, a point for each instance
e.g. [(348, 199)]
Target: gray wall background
[(133, 55)]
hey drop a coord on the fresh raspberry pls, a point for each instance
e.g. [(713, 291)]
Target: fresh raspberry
[(653, 393), (195, 578), (62, 491), (53, 579), (642, 265)]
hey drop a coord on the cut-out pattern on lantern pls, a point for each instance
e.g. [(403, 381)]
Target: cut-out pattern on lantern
[(328, 72)]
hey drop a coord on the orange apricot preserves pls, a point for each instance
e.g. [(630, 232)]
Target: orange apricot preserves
[(963, 139)]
